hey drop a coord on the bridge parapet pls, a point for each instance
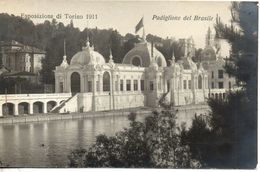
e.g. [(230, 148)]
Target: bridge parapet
[(15, 104), (218, 93), (34, 96)]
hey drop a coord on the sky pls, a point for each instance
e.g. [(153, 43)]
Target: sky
[(124, 15)]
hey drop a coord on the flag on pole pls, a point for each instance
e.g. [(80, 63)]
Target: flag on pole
[(139, 25)]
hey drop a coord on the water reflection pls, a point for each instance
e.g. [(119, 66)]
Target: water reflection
[(47, 144)]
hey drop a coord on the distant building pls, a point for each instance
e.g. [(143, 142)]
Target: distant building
[(187, 47), (214, 63), (21, 60)]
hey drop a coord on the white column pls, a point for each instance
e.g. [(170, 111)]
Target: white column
[(82, 83), (30, 108), (124, 84), (16, 112), (119, 84), (139, 84), (44, 107), (1, 112), (85, 83), (164, 85), (181, 83), (57, 87), (112, 90), (101, 83), (94, 92), (131, 84), (173, 90), (64, 83), (68, 84)]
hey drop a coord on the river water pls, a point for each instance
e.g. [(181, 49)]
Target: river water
[(21, 144)]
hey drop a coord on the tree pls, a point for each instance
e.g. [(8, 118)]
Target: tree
[(154, 143), (50, 35), (3, 165), (197, 57), (129, 43), (116, 47), (198, 138), (242, 35), (232, 140)]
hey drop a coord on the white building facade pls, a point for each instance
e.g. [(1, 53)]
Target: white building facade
[(89, 83), (143, 79)]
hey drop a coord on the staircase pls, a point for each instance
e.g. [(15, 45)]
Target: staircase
[(59, 107), (162, 98)]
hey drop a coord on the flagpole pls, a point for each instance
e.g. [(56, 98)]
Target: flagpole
[(144, 31), (139, 26)]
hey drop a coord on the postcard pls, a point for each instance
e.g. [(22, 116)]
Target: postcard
[(128, 84)]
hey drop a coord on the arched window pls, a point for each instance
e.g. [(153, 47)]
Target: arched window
[(200, 82), (136, 61), (75, 82), (8, 109), (159, 61), (23, 108), (106, 81), (38, 107)]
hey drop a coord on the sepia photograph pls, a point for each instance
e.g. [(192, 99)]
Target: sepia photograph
[(128, 84)]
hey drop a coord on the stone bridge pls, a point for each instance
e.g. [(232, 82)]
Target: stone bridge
[(17, 104), (219, 93)]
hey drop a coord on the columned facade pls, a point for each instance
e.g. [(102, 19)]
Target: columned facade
[(144, 79)]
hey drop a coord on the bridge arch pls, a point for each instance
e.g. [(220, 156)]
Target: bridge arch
[(8, 109), (50, 105), (23, 108), (224, 95), (38, 107), (220, 96)]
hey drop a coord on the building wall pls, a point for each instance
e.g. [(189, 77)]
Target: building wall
[(37, 65), (83, 102), (18, 58), (214, 77)]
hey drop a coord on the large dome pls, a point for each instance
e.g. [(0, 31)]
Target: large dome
[(87, 56), (208, 54), (140, 55)]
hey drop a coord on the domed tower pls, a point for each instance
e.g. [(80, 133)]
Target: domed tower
[(143, 55), (208, 54), (78, 75), (87, 57), (209, 38)]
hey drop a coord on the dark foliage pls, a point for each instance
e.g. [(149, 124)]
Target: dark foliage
[(19, 85), (152, 144), (230, 140), (49, 36)]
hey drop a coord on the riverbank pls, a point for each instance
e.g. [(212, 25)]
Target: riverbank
[(67, 116), (189, 110)]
